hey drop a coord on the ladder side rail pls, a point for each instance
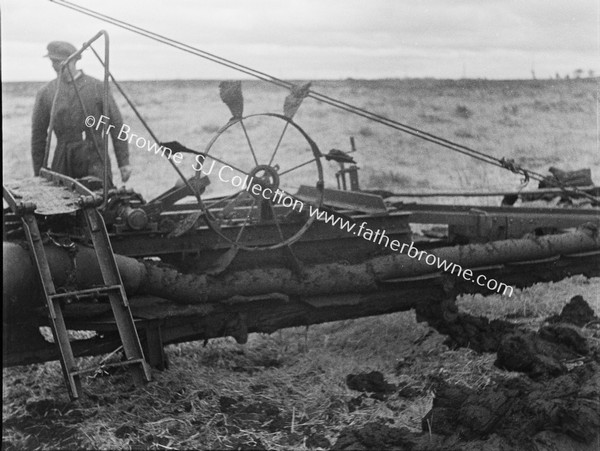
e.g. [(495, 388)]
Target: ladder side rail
[(119, 303), (57, 321)]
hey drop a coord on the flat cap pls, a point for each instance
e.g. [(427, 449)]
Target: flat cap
[(60, 50)]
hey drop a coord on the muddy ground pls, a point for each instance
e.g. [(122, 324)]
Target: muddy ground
[(323, 389), (554, 403)]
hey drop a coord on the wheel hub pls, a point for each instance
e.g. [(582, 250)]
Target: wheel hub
[(266, 176)]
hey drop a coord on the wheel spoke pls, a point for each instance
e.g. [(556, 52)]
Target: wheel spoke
[(227, 164), (295, 199), (249, 143), (297, 167), (231, 206), (278, 143), (276, 221), (248, 216), (231, 216), (225, 199)]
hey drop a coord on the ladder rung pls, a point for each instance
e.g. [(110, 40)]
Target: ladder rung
[(90, 292), (113, 288), (108, 365)]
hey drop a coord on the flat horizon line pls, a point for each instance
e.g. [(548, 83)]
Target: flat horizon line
[(340, 79)]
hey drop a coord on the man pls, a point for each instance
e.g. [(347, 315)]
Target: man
[(79, 149)]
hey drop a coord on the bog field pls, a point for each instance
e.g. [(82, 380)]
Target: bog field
[(290, 389)]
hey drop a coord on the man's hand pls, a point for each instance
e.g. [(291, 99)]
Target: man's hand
[(125, 173)]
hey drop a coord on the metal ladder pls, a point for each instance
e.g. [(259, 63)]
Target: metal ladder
[(112, 288)]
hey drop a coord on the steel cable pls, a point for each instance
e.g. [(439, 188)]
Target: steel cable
[(478, 155)]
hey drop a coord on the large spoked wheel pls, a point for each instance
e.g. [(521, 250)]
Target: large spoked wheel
[(253, 173)]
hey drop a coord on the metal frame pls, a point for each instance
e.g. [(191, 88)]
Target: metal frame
[(162, 326), (112, 286), (498, 222)]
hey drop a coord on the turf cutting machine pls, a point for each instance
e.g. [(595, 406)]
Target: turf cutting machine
[(187, 266)]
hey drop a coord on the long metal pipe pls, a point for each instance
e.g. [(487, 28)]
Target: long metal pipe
[(324, 279)]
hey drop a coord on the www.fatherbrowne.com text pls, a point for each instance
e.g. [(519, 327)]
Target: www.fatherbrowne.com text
[(278, 196), (380, 237)]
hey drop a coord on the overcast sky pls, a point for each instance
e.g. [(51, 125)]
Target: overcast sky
[(316, 39)]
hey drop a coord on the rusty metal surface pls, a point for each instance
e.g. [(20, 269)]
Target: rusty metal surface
[(547, 213), (48, 198), (203, 240), (498, 223), (351, 200)]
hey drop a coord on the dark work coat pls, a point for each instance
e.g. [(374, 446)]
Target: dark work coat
[(75, 154)]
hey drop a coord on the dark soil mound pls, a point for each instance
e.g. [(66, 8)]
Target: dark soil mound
[(369, 382), (548, 407), (542, 354), (577, 312), (378, 436), (517, 414), (519, 408), (474, 332)]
